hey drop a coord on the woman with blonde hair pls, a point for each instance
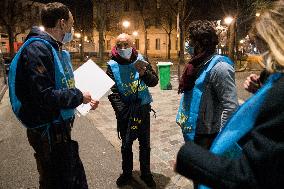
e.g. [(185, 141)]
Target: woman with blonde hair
[(249, 151)]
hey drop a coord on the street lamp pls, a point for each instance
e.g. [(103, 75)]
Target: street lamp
[(257, 14), (78, 35), (135, 33), (228, 20), (242, 41), (41, 28), (125, 24)]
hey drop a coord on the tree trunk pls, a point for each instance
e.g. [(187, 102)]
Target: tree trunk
[(145, 50), (181, 51), (82, 47), (101, 45), (231, 41), (169, 45), (11, 41)]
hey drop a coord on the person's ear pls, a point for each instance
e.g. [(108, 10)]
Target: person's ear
[(62, 24)]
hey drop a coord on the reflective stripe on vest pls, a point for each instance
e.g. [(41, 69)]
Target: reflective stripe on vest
[(127, 79), (64, 78), (240, 123), (188, 111)]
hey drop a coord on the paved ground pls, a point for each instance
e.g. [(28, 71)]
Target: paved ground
[(166, 137), (99, 145)]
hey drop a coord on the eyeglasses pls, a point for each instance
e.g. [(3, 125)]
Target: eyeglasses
[(122, 44)]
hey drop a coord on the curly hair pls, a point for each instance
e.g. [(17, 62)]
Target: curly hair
[(203, 32)]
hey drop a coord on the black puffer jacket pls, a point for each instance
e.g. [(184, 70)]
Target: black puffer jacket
[(260, 167), (35, 83), (150, 78)]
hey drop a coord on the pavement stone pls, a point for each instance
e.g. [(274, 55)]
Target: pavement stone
[(166, 136)]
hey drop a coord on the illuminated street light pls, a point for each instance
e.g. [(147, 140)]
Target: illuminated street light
[(257, 14), (135, 33), (242, 41), (41, 28), (228, 20), (126, 24), (78, 35)]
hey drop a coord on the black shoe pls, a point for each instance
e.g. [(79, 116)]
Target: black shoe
[(148, 179), (123, 180)]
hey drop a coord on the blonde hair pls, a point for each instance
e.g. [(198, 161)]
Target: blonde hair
[(270, 26)]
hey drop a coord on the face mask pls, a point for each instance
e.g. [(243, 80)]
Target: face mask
[(68, 36), (190, 50), (125, 53)]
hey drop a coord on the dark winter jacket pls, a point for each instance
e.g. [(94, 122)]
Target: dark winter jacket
[(35, 83), (150, 78), (261, 165)]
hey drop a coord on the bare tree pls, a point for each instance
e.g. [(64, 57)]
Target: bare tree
[(242, 12), (16, 17), (100, 23), (103, 12), (144, 9), (167, 18), (182, 9)]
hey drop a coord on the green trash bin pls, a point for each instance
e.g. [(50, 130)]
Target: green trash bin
[(165, 75)]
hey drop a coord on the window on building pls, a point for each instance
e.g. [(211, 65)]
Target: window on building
[(107, 24), (148, 44), (126, 5), (108, 46), (147, 4), (158, 44), (108, 8), (137, 44), (136, 24), (158, 4), (147, 22), (157, 22), (117, 6), (136, 5)]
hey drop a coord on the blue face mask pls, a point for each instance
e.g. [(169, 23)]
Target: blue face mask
[(191, 50), (68, 36), (125, 53)]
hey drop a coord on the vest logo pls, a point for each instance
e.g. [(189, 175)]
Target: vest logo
[(132, 87)]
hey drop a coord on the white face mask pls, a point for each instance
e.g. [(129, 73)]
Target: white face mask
[(125, 53), (68, 36)]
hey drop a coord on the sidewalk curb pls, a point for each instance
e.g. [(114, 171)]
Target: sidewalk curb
[(3, 89)]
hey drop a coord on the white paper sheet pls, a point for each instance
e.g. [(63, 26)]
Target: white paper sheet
[(91, 78)]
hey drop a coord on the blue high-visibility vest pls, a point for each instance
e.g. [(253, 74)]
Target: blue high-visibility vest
[(127, 80), (241, 122), (188, 111), (64, 79)]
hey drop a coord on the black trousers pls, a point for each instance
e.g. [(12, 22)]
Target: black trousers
[(143, 136), (205, 141), (57, 158)]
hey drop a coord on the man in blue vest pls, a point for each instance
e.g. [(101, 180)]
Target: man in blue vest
[(208, 87), (131, 100), (43, 96)]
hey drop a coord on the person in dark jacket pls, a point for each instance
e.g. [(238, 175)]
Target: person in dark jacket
[(208, 86), (249, 152), (43, 100), (131, 100)]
